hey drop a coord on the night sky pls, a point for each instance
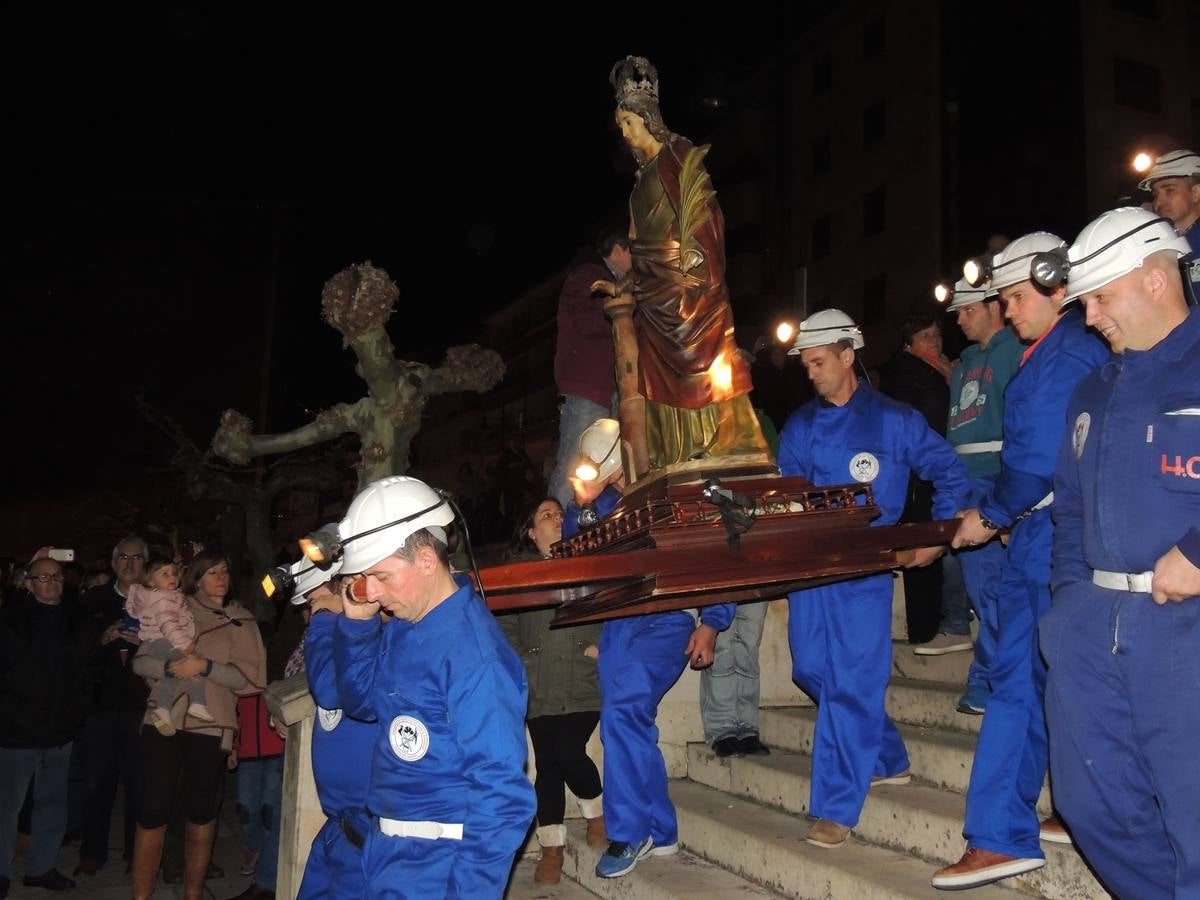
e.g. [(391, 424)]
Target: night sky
[(170, 171)]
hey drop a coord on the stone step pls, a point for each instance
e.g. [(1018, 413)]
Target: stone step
[(522, 887), (767, 846), (950, 667), (929, 704), (683, 876), (939, 758), (916, 819)]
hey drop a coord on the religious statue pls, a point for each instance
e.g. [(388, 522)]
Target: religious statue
[(694, 379)]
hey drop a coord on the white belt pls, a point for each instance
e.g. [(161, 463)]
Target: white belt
[(1043, 503), (979, 447), (1134, 582), (431, 831)]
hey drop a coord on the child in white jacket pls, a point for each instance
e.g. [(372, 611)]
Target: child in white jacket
[(164, 623)]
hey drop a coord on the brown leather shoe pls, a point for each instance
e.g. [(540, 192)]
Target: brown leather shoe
[(597, 833), (827, 833), (979, 866), (1053, 830), (549, 867), (86, 867)]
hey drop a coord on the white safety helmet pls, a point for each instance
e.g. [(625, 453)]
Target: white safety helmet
[(1114, 245), (1012, 264), (1176, 164), (396, 506), (964, 294), (309, 576), (826, 327), (599, 450)]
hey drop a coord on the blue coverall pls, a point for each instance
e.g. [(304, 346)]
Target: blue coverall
[(1011, 757), (449, 695), (1123, 692), (341, 760), (840, 634), (641, 657)]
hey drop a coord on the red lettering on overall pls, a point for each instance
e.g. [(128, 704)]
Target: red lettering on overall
[(1176, 469), (1192, 471)]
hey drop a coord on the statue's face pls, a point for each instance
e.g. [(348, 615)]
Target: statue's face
[(633, 130)]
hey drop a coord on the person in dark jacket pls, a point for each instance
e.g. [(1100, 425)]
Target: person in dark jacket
[(564, 703), (919, 375), (45, 648)]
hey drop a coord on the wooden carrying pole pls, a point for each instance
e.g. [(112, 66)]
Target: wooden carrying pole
[(632, 405)]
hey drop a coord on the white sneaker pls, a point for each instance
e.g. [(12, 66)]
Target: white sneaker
[(200, 711), (943, 644), (665, 849), (161, 720)]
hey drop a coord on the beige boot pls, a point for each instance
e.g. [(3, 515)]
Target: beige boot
[(147, 853), (593, 811), (549, 867), (197, 853)]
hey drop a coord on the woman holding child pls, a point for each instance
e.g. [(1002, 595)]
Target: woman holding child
[(228, 659)]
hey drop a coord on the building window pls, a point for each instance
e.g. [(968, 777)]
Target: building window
[(822, 75), (874, 211), (1137, 85), (873, 39), (874, 125), (1147, 9), (822, 236), (874, 299), (822, 155)]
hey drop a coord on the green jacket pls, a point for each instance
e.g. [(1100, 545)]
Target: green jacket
[(562, 679)]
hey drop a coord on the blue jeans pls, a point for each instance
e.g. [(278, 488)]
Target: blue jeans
[(259, 798), (575, 414), (729, 687), (48, 770)]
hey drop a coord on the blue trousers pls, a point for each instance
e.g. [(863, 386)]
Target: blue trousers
[(575, 414), (409, 868), (1011, 757), (335, 866), (1123, 729), (259, 804), (640, 658), (981, 576), (48, 771), (841, 641)]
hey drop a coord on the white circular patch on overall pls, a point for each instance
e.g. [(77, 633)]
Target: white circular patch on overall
[(409, 738), (864, 467), (328, 718)]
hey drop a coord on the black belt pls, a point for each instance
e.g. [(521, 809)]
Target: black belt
[(353, 835)]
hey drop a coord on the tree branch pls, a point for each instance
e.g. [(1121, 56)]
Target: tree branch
[(235, 442), (468, 367)]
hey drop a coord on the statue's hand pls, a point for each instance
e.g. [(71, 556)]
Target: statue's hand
[(606, 288)]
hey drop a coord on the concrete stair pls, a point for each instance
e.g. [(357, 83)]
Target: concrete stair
[(745, 818)]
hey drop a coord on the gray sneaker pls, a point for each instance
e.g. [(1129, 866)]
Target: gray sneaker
[(943, 644)]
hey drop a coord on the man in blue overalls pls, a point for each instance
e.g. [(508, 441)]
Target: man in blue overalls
[(840, 634), (1174, 185), (1123, 638), (976, 429), (1001, 828), (641, 657), (449, 799), (341, 750)]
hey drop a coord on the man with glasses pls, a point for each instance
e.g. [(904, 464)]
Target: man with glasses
[(111, 750), (44, 648)]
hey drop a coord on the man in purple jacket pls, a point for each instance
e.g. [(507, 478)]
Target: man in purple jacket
[(583, 357)]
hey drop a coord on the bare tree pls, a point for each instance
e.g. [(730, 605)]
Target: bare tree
[(358, 301)]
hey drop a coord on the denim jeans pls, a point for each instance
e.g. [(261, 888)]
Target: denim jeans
[(48, 769), (956, 605), (259, 798), (729, 687), (575, 414)]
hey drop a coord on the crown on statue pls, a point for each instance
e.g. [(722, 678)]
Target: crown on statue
[(634, 76)]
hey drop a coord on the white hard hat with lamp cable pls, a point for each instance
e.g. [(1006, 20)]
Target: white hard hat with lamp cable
[(1176, 164), (829, 326), (599, 450), (1013, 264), (964, 294), (383, 515), (1112, 245)]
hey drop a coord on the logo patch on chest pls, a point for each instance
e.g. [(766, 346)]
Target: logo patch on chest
[(328, 719), (1080, 435), (409, 738), (969, 394), (864, 467)]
